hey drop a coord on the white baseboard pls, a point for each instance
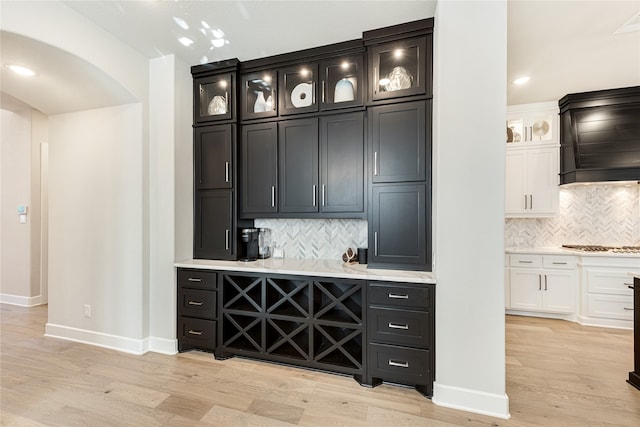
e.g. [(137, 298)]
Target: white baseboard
[(113, 342), (20, 300), (605, 323), (569, 317), (161, 345), (478, 402)]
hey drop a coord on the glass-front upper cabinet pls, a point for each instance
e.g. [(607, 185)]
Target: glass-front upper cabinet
[(215, 98), (259, 95), (399, 68), (297, 85), (342, 83)]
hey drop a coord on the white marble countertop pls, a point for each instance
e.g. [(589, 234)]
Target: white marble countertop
[(312, 267), (556, 250)]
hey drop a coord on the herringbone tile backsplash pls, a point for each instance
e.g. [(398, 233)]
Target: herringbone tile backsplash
[(316, 238), (598, 214)]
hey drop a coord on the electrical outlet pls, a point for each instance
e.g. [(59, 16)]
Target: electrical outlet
[(87, 310)]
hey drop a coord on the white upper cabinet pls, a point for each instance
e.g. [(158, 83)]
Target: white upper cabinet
[(532, 161)]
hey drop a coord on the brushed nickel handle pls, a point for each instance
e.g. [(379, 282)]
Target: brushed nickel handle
[(375, 243), (398, 326), (313, 93), (196, 303), (399, 296), (398, 364), (226, 171), (314, 195), (628, 308), (324, 190), (375, 79), (525, 262), (530, 201), (226, 100), (539, 282), (525, 201), (559, 263), (375, 163), (545, 282), (630, 286), (226, 240), (323, 91), (192, 332), (273, 196), (194, 279)]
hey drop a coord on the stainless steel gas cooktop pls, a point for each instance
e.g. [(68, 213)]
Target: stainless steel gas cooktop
[(598, 248)]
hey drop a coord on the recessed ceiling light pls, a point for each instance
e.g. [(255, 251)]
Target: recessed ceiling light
[(23, 71), (181, 23), (633, 24), (217, 42), (521, 80)]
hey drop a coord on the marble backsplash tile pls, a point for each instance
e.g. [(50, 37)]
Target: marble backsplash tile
[(316, 238), (597, 214)]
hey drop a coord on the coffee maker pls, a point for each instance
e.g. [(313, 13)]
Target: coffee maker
[(249, 245)]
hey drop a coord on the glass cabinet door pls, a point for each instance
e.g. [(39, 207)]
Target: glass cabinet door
[(259, 95), (398, 69), (298, 89), (342, 83), (215, 98)]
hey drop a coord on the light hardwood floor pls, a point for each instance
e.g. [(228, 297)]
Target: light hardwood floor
[(558, 374)]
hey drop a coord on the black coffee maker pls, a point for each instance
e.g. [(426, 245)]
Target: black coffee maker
[(250, 247)]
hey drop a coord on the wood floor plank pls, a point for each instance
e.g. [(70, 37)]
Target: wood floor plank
[(558, 374)]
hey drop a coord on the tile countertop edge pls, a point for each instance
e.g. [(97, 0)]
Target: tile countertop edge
[(312, 267)]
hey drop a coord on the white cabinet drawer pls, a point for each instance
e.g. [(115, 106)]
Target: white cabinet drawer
[(559, 261), (525, 260), (609, 281), (610, 306)]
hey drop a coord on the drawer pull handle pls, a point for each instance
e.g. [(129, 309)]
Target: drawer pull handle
[(525, 262), (399, 296), (398, 364), (397, 326), (198, 303), (627, 308), (192, 332), (630, 286), (193, 279), (559, 263)]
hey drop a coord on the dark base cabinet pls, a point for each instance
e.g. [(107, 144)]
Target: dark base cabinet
[(376, 331)]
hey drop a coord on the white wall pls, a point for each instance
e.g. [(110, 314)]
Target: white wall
[(470, 106), (95, 217), (15, 189)]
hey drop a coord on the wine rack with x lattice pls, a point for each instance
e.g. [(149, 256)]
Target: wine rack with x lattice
[(305, 321)]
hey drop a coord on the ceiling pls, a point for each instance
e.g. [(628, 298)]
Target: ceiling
[(564, 46)]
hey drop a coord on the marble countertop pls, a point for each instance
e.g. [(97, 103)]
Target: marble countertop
[(312, 267), (556, 250)]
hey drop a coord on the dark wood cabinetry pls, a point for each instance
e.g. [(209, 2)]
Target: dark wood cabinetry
[(398, 226), (197, 310), (214, 227), (214, 97), (401, 335), (214, 155), (298, 165), (342, 158), (259, 183)]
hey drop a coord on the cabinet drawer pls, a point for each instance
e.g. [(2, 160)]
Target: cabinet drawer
[(197, 333), (525, 260), (610, 306), (403, 327), (558, 261), (399, 364), (197, 303), (199, 279), (609, 281), (400, 295)]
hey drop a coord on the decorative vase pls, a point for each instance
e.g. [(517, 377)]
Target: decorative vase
[(261, 105), (344, 91)]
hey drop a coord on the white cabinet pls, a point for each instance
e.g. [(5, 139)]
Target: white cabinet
[(531, 187), (532, 161), (608, 300), (532, 122), (545, 283)]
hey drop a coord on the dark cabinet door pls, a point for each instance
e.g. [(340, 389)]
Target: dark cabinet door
[(400, 68), (214, 98), (298, 87), (342, 160), (214, 225), (259, 154), (259, 95), (214, 156), (399, 142), (342, 82), (398, 231), (298, 165)]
